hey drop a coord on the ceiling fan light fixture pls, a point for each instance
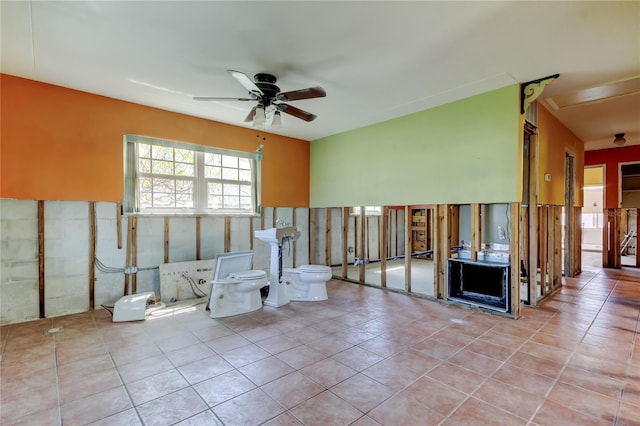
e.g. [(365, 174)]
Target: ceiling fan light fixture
[(259, 117), (619, 140), (277, 120)]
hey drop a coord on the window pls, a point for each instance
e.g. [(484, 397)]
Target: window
[(170, 177), (368, 210)]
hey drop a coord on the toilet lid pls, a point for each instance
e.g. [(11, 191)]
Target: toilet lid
[(248, 275), (314, 268)]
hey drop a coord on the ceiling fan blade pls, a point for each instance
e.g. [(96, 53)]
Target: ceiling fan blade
[(246, 82), (213, 98), (250, 116), (296, 112), (295, 95)]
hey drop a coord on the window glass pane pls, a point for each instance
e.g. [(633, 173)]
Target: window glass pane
[(229, 161), (212, 172), (245, 175), (185, 156), (212, 159), (164, 185), (245, 202), (214, 188), (245, 163), (161, 153), (144, 150), (145, 184), (162, 167), (184, 186), (144, 165), (183, 169), (145, 200), (163, 200), (215, 201), (231, 189), (231, 202), (230, 174), (184, 201)]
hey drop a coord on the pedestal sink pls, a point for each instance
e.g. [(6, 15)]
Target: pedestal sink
[(276, 237)]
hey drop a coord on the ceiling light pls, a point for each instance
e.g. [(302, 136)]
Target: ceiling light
[(259, 117), (277, 120), (619, 140)]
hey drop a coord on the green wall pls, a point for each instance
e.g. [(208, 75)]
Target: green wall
[(463, 152)]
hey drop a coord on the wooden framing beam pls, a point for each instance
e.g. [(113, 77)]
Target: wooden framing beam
[(441, 254), (198, 218), (557, 247), (294, 220), (361, 245), (166, 239), (274, 218), (119, 224), (544, 249), (327, 236), (383, 234), (134, 254), (312, 236), (227, 234), (476, 230), (127, 262), (408, 246), (92, 254), (514, 253), (454, 225), (41, 275), (577, 240), (345, 242), (251, 232)]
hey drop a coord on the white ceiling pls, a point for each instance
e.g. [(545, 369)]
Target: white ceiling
[(376, 60)]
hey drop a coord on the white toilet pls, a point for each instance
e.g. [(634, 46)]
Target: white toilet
[(307, 283), (235, 287)]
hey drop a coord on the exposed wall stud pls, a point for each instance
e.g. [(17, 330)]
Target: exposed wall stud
[(361, 245), (198, 218), (92, 253), (345, 242), (327, 237), (119, 224), (408, 247), (134, 253), (227, 234), (476, 231), (313, 231), (514, 252), (41, 265), (383, 233), (166, 239)]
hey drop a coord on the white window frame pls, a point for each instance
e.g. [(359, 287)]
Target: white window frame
[(132, 176)]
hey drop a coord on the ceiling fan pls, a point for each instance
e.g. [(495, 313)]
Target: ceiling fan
[(263, 89)]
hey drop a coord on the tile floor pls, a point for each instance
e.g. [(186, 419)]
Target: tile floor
[(364, 357)]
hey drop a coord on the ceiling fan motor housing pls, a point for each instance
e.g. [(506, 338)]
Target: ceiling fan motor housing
[(266, 83)]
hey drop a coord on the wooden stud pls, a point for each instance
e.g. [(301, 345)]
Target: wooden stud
[(295, 243), (514, 252), (361, 245), (251, 233), (577, 242), (227, 234), (476, 231), (41, 275), (198, 218), (383, 233), (92, 254), (312, 236), (274, 218), (261, 219), (534, 236), (327, 236), (408, 247), (345, 242), (134, 254), (544, 245), (166, 239), (454, 225), (119, 224), (557, 273), (127, 261), (441, 255)]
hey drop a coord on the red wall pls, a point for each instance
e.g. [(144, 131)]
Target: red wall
[(611, 158)]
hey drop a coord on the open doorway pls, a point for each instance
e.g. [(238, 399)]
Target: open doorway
[(592, 217), (630, 203)]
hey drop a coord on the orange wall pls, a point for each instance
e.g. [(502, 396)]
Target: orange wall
[(554, 141), (610, 158), (62, 144)]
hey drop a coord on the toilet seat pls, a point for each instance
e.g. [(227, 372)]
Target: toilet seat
[(314, 268), (248, 275)]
